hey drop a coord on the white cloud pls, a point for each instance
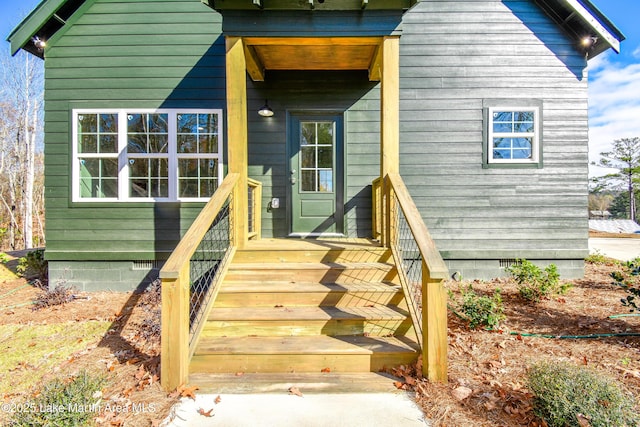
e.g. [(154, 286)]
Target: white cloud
[(614, 104)]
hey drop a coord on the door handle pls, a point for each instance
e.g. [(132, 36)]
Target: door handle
[(292, 179)]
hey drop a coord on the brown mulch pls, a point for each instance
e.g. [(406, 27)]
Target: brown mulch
[(489, 366)]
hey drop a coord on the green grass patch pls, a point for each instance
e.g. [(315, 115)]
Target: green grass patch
[(32, 351), (64, 402)]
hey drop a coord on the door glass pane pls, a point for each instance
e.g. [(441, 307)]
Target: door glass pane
[(325, 157), (316, 156), (307, 133), (308, 180), (325, 133), (325, 181), (308, 157)]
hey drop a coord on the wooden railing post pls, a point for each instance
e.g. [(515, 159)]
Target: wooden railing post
[(174, 361), (434, 327), (237, 134)]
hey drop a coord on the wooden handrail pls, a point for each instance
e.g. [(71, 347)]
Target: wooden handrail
[(430, 254), (176, 288), (432, 320)]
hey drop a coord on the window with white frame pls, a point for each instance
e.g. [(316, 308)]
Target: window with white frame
[(513, 135), (138, 155)]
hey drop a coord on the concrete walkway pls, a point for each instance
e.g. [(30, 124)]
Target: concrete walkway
[(624, 249), (331, 400), (310, 410)]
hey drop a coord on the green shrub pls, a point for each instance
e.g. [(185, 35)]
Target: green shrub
[(481, 310), (33, 266), (599, 258), (62, 402), (4, 258), (535, 283), (565, 393), (629, 280)]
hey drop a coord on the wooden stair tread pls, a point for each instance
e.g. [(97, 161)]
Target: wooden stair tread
[(251, 286), (274, 244), (292, 314), (320, 344), (251, 383), (309, 266)]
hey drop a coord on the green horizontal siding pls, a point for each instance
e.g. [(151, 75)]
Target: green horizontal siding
[(456, 54), (125, 55)]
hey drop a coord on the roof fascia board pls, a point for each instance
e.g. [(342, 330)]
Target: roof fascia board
[(589, 17), (71, 21), (32, 23), (325, 5)]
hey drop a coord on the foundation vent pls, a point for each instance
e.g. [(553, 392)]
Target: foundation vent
[(147, 265), (507, 262)]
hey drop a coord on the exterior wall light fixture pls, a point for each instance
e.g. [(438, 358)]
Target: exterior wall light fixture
[(265, 110), (39, 43)]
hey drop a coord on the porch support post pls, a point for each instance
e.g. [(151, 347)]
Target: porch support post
[(237, 136), (174, 356), (434, 327), (389, 125)]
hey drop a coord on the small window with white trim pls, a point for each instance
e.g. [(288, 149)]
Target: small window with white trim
[(513, 135), (146, 155)]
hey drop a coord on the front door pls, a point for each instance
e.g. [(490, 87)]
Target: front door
[(316, 174)]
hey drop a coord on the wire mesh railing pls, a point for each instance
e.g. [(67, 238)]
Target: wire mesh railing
[(409, 264), (205, 267), (421, 269)]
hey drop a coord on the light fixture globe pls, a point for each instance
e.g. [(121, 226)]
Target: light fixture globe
[(265, 110)]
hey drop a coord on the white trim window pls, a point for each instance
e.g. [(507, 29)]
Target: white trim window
[(514, 135), (146, 155)]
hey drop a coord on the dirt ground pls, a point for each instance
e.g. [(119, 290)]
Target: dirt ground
[(128, 354), (491, 364)]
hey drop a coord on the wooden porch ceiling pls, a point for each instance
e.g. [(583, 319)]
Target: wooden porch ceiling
[(312, 53)]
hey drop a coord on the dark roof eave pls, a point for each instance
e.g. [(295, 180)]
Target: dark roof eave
[(21, 36)]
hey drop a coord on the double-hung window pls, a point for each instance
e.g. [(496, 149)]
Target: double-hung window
[(139, 155), (513, 136)]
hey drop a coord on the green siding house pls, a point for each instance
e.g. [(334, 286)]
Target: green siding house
[(480, 106), (398, 142)]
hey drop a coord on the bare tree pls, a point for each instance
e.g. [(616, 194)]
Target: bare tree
[(20, 127), (625, 157)]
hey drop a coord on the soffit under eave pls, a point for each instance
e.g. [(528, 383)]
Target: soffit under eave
[(316, 5), (582, 19), (42, 23), (312, 54)]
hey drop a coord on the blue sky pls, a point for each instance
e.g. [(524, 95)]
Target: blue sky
[(614, 79)]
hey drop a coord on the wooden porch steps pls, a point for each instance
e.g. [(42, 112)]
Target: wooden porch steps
[(270, 294), (311, 306), (307, 383)]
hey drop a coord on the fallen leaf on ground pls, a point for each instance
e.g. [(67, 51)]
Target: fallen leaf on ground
[(325, 370), (217, 400), (185, 391), (205, 413), (583, 421), (462, 392), (296, 391), (399, 385)]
